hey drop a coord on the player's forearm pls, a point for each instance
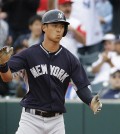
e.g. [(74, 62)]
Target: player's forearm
[(6, 77)]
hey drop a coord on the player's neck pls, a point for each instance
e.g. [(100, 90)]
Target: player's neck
[(51, 46)]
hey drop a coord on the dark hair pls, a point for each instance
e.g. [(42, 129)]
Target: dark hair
[(34, 18)]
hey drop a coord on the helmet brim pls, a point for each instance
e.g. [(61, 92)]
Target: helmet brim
[(57, 21)]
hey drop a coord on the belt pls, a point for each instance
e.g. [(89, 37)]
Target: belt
[(42, 113)]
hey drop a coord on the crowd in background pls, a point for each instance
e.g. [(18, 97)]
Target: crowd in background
[(93, 37)]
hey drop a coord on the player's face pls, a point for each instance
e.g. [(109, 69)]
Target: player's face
[(115, 80), (36, 28), (54, 31), (66, 8)]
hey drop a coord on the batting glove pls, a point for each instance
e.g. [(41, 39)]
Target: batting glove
[(96, 105), (5, 54)]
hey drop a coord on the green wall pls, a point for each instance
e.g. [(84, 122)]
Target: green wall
[(74, 118), (79, 119), (107, 122), (2, 118)]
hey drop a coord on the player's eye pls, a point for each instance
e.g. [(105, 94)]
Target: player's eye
[(62, 26), (54, 25)]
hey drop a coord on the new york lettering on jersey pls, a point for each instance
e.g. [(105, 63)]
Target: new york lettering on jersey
[(54, 70)]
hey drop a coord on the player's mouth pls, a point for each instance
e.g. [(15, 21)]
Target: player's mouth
[(58, 36)]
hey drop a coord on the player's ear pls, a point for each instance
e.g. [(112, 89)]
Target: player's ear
[(43, 28)]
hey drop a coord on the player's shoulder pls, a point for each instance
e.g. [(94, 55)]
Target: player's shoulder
[(34, 46)]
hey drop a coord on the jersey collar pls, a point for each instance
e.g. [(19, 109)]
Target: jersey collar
[(56, 53)]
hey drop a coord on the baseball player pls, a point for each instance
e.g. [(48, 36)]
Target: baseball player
[(48, 68)]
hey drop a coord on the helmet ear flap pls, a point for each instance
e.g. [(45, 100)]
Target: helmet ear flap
[(66, 30)]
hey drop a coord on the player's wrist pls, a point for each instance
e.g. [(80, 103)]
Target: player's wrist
[(4, 68), (3, 64)]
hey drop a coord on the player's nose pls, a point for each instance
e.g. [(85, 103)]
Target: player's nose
[(58, 29)]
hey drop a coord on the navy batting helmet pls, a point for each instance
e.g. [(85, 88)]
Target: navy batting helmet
[(54, 16)]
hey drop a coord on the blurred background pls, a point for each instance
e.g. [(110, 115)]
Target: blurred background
[(93, 37)]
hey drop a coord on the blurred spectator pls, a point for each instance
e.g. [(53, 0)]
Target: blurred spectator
[(116, 18), (108, 42), (3, 29), (52, 4), (114, 81), (71, 93), (117, 45), (32, 38), (104, 9), (85, 11), (43, 7), (19, 48), (17, 87), (3, 33), (3, 15), (107, 59), (76, 34), (19, 12)]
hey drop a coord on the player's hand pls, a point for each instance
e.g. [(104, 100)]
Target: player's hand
[(96, 105), (5, 54)]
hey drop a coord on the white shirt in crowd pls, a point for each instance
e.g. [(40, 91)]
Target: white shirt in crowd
[(69, 40), (104, 73), (3, 32), (85, 11), (32, 42)]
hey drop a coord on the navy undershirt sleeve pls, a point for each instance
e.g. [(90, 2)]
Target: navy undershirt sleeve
[(81, 81), (85, 95), (79, 75)]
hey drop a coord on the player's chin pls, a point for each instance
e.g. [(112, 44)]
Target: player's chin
[(57, 39)]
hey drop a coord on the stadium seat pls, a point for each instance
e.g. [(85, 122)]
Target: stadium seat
[(89, 58)]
